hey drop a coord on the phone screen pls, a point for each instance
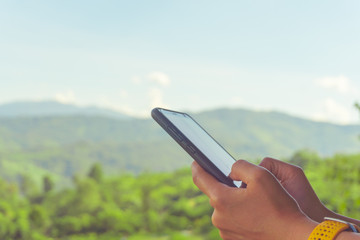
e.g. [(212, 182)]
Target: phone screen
[(203, 141)]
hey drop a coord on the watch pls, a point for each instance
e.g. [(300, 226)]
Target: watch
[(330, 228)]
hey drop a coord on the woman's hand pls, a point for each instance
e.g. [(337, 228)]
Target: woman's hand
[(293, 179), (262, 210)]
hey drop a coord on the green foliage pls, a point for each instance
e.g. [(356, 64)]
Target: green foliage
[(337, 183), (54, 186), (96, 173), (148, 206), (304, 158), (48, 184), (28, 187), (357, 106), (164, 206)]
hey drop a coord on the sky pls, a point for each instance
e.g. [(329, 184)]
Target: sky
[(298, 57)]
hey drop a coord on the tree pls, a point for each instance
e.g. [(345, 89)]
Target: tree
[(304, 157), (357, 106), (48, 184), (96, 173), (28, 187)]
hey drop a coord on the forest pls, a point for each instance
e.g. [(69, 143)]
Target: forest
[(88, 177), (148, 205)]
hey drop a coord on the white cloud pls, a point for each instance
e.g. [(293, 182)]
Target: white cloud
[(129, 110), (236, 101), (332, 111), (160, 78), (65, 97), (123, 94), (156, 98), (340, 84), (121, 106), (137, 80)]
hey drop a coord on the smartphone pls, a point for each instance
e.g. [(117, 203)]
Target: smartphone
[(203, 148)]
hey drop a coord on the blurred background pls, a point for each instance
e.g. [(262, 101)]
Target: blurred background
[(80, 156)]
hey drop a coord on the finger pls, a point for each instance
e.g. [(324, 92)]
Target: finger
[(206, 182), (244, 171), (281, 170)]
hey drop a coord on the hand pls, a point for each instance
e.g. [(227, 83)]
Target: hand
[(293, 179), (262, 210)]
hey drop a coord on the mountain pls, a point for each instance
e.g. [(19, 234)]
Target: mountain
[(53, 108), (278, 134), (67, 145)]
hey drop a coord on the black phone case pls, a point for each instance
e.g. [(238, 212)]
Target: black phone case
[(189, 147)]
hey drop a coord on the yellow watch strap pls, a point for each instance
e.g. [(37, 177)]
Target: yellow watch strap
[(328, 230)]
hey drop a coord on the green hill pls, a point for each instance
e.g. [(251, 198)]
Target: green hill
[(67, 145), (53, 108)]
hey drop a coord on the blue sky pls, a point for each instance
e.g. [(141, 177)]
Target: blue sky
[(300, 57)]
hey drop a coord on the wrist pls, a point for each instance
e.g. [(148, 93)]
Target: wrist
[(335, 229), (301, 228), (324, 212)]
